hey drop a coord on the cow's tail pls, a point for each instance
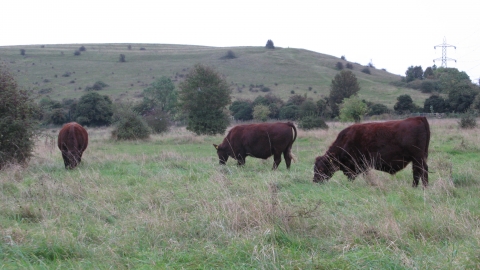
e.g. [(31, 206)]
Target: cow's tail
[(292, 156)]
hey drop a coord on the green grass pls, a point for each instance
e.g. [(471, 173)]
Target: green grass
[(166, 203), (282, 70)]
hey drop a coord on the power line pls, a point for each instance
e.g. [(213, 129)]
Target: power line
[(444, 52)]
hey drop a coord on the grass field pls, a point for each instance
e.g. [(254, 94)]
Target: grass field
[(165, 203), (44, 70)]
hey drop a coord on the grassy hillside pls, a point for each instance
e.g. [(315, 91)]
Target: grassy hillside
[(42, 69), (165, 203)]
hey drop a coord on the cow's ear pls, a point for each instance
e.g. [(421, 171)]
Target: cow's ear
[(216, 146)]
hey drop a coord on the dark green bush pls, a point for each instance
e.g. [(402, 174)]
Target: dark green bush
[(339, 65), (242, 110), (93, 109), (312, 122), (270, 44), (289, 112), (97, 86), (18, 126)]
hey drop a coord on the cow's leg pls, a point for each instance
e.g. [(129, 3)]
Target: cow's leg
[(420, 170), (241, 160), (66, 160), (277, 158), (286, 156)]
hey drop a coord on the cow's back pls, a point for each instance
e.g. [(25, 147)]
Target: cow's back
[(72, 137)]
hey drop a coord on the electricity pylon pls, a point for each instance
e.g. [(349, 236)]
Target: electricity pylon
[(444, 52)]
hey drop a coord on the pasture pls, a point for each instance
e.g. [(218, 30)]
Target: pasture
[(165, 203)]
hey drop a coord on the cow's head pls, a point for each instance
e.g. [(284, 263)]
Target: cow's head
[(324, 169), (222, 154)]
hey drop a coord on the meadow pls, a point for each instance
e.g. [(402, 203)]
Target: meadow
[(166, 203)]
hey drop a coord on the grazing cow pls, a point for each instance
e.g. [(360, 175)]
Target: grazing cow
[(260, 141), (388, 146), (72, 141)]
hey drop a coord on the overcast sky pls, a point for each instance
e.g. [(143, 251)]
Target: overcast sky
[(391, 34)]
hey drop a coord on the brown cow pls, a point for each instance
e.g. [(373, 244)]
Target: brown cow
[(389, 146), (260, 141), (72, 141)]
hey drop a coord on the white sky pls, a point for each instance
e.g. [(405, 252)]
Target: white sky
[(392, 34)]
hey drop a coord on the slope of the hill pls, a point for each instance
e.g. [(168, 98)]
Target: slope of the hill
[(54, 70)]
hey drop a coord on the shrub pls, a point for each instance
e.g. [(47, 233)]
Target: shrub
[(343, 57), (122, 58), (97, 86), (22, 51), (229, 55), (18, 126), (129, 125), (269, 44), (77, 53), (289, 112), (349, 66), (82, 48), (339, 65), (157, 120), (94, 109), (352, 109), (366, 70), (265, 89), (344, 85), (260, 113), (312, 122), (242, 110), (377, 109), (58, 117), (468, 120)]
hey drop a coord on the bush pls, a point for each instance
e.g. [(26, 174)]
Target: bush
[(94, 109), (17, 124), (129, 125), (339, 65), (312, 122), (229, 55), (97, 86), (468, 120), (260, 113), (265, 89), (22, 51), (349, 66), (122, 58), (242, 110), (82, 48), (377, 109), (77, 53), (269, 44), (158, 121), (289, 112), (352, 109), (366, 70)]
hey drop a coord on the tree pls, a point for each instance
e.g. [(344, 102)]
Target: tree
[(160, 94), (450, 77), (94, 109), (404, 104), (203, 96), (344, 85), (461, 96), (289, 112), (428, 74), (352, 109), (18, 126), (435, 104), (260, 113), (270, 44), (414, 73)]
